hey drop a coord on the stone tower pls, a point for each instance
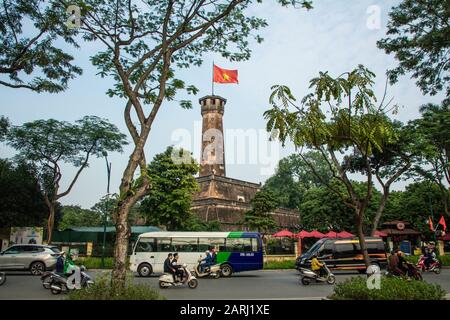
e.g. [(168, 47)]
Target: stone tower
[(212, 158)]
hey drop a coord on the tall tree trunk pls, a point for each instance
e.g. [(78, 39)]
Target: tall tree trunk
[(51, 218), (121, 247), (361, 236), (380, 210)]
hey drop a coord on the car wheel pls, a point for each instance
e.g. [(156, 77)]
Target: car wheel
[(145, 270), (227, 270), (2, 278), (37, 268)]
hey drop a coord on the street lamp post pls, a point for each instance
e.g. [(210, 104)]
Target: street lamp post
[(105, 213)]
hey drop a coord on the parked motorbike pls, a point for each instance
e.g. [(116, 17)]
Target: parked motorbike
[(2, 278), (214, 271), (435, 265), (167, 279), (59, 283), (307, 276)]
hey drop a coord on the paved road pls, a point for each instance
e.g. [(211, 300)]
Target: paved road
[(249, 285)]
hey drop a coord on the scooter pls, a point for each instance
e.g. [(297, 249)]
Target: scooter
[(59, 285), (435, 265), (413, 272), (214, 271), (2, 278), (167, 279), (307, 276)]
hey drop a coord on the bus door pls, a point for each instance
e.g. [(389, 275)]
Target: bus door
[(144, 251)]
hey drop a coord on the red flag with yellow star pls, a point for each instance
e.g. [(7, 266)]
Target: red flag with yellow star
[(225, 75)]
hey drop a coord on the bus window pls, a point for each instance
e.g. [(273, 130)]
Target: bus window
[(163, 245), (207, 243), (146, 245), (255, 244), (239, 244), (185, 244), (326, 249)]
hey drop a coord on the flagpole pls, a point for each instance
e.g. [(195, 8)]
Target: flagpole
[(212, 79)]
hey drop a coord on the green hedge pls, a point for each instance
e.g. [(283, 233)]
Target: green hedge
[(102, 290), (286, 264), (95, 262), (390, 289)]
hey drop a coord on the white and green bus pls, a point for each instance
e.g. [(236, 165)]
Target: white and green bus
[(236, 251)]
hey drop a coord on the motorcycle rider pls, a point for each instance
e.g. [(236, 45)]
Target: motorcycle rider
[(179, 272), (168, 268), (393, 264), (207, 261), (60, 263), (317, 266)]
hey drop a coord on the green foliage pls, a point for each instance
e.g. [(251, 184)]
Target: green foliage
[(432, 133), (95, 262), (172, 178), (4, 126), (75, 216), (29, 33), (21, 200), (293, 177), (102, 290), (322, 209), (416, 204), (194, 223), (356, 288), (259, 218), (418, 34), (284, 264)]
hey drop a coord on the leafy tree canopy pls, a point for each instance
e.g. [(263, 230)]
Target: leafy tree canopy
[(259, 217), (173, 184), (418, 33), (75, 216), (29, 54)]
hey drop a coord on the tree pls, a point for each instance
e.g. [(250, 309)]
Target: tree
[(29, 57), (420, 201), (391, 164), (259, 218), (144, 45), (75, 216), (433, 138), (46, 144), (339, 116), (293, 178), (173, 185), (4, 125), (323, 210), (194, 223), (418, 33), (21, 200)]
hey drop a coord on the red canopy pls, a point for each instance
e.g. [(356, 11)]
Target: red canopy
[(303, 234), (316, 234), (345, 234), (283, 233), (330, 234), (380, 234)]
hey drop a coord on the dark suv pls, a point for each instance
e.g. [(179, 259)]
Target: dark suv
[(344, 254)]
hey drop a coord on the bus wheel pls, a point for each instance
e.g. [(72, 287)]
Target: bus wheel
[(145, 270), (227, 270)]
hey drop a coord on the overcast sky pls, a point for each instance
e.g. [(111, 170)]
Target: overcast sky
[(335, 36)]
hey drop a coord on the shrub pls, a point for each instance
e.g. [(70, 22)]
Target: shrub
[(102, 290), (95, 262), (285, 264), (391, 289), (445, 260)]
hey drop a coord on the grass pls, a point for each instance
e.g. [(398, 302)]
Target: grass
[(95, 262), (286, 264)]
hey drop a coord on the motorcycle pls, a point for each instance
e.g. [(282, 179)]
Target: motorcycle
[(169, 280), (435, 265), (214, 271), (2, 278), (59, 283), (413, 272), (307, 275)]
